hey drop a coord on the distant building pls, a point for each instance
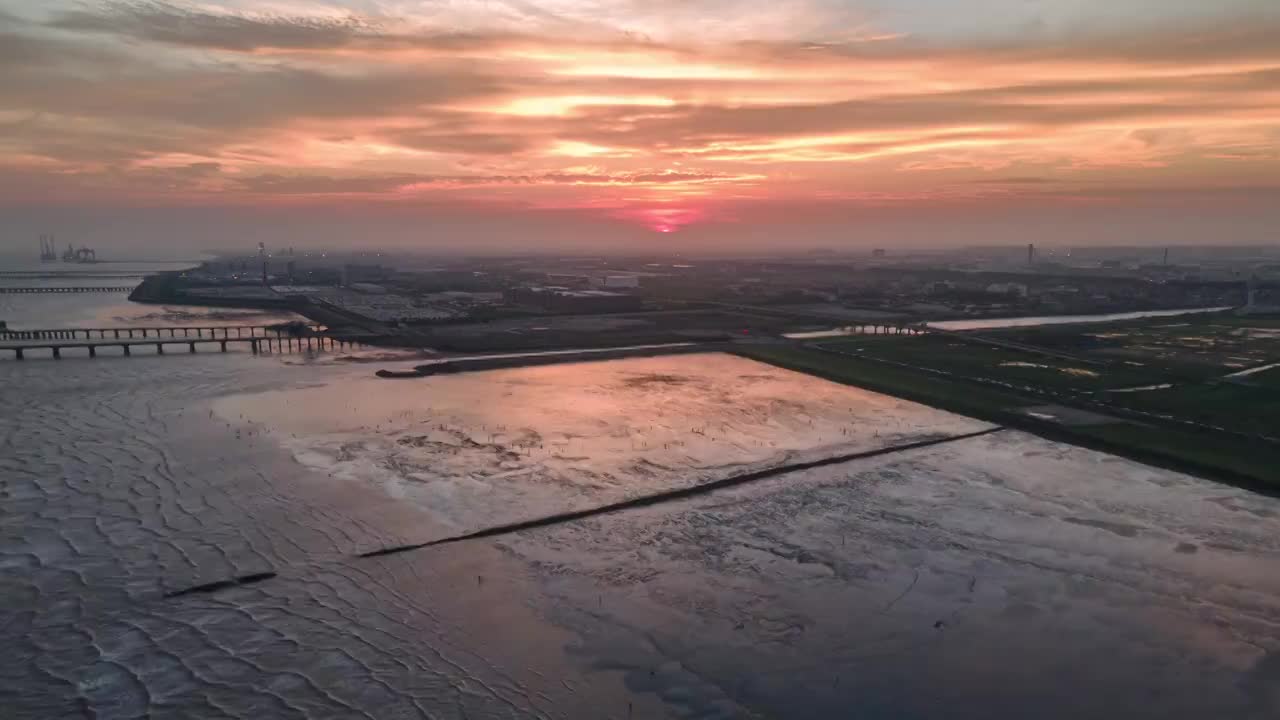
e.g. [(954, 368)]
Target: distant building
[(1258, 300), (615, 281), (568, 280), (878, 252), (562, 299), (1008, 288)]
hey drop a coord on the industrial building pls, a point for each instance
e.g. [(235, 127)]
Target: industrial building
[(562, 299)]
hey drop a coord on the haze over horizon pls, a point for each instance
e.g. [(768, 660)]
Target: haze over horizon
[(654, 126)]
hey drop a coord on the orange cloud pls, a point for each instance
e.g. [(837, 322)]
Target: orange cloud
[(221, 104)]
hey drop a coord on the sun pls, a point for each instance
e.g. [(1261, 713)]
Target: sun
[(664, 219)]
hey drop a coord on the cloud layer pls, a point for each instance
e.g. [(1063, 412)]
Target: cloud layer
[(619, 108)]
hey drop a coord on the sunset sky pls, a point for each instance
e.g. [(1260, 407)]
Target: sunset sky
[(640, 124)]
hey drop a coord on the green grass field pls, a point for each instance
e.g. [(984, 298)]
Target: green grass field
[(1230, 459), (1191, 347), (1237, 407), (949, 354)]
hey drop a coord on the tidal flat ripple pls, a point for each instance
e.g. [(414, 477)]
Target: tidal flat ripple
[(1002, 576)]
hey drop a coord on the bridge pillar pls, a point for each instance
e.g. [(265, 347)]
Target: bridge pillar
[(173, 332), (117, 334), (93, 351), (193, 348), (57, 353), (224, 345), (126, 349), (159, 348), (17, 354)]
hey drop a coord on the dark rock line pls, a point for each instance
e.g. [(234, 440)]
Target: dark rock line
[(639, 502)]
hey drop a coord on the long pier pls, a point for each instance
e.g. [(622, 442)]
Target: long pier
[(78, 289), (259, 339), (120, 333), (257, 345)]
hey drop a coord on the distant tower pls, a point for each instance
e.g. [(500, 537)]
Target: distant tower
[(1031, 254), (48, 253), (262, 255), (1166, 256)]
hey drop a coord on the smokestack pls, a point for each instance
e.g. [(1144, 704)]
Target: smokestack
[(1031, 254), (1166, 256)]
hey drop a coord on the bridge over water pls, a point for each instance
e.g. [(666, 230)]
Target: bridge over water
[(211, 331), (30, 290), (258, 338)]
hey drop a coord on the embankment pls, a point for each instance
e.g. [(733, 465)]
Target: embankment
[(499, 362)]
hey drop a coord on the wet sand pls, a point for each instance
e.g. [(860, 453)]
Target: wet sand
[(995, 577), (484, 448)]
